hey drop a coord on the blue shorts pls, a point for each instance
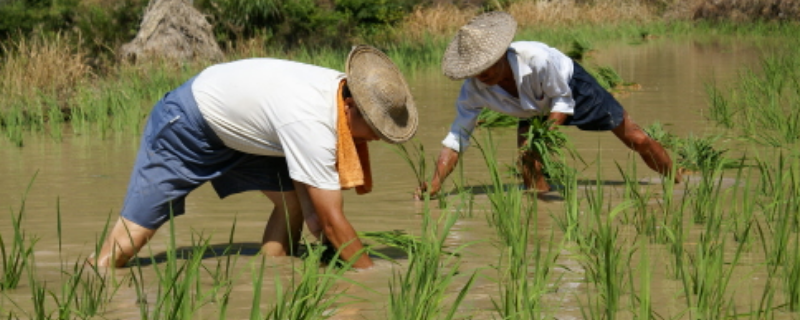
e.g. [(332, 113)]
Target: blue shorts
[(179, 152), (595, 108)]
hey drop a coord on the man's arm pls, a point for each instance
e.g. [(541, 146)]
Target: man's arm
[(448, 158), (329, 207), (558, 118)]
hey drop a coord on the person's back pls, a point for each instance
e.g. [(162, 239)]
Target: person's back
[(247, 102)]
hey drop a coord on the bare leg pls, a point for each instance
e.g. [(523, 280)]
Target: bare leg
[(650, 150), (124, 241), (530, 165), (285, 224)]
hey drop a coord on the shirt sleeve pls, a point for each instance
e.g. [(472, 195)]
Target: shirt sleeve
[(554, 84), (310, 149), (468, 108)]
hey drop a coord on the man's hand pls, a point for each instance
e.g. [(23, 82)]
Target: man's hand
[(557, 119), (448, 158), (339, 231)]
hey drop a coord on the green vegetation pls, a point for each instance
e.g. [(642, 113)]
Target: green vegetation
[(726, 240)]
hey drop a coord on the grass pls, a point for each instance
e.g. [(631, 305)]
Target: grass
[(527, 258), (420, 292), (17, 254), (715, 234)]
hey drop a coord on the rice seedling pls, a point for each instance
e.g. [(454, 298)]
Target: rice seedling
[(605, 257), (775, 89), (420, 292), (580, 49), (642, 297), (643, 220), (667, 139), (709, 274), (396, 239), (180, 294), (416, 159), (18, 255), (699, 154), (526, 259), (553, 146), (489, 118), (719, 108), (313, 296)]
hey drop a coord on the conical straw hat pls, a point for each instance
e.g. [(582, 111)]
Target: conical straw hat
[(382, 94), (478, 45)]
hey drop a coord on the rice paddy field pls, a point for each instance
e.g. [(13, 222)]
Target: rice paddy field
[(613, 240)]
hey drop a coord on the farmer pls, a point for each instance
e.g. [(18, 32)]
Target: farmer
[(294, 131), (528, 80)]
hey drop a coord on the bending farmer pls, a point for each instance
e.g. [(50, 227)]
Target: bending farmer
[(529, 79), (293, 131)]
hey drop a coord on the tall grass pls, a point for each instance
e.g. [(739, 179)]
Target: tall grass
[(422, 290), (775, 89), (527, 258), (606, 259), (313, 296), (16, 257)]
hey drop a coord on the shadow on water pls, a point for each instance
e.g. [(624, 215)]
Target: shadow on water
[(250, 249), (482, 189)]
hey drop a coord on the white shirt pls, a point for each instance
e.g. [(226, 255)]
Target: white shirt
[(277, 108), (542, 75)]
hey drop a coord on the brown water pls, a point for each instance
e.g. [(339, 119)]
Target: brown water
[(85, 179)]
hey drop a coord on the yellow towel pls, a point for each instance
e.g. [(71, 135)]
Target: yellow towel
[(352, 159)]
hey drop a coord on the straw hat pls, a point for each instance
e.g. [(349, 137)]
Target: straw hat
[(381, 93), (478, 45)]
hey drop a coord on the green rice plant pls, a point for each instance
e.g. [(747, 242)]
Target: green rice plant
[(719, 108), (762, 103), (38, 296), (396, 239), (179, 291), (489, 118), (526, 259), (415, 158), (11, 121), (580, 49), (641, 217), (420, 292), (569, 223), (84, 292), (18, 255), (642, 297), (699, 154), (667, 139), (604, 258), (313, 296), (744, 206), (553, 146), (790, 275), (710, 273), (223, 278), (674, 235), (607, 77), (526, 262)]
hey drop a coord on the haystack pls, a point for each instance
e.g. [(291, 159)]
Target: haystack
[(174, 30)]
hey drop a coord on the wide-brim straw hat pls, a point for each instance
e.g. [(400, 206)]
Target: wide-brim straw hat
[(478, 45), (382, 94)]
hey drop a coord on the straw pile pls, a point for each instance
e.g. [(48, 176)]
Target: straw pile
[(173, 30)]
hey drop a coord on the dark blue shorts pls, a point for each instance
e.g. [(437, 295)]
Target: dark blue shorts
[(179, 152), (595, 108)]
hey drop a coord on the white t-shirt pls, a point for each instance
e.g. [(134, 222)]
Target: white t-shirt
[(542, 75), (277, 108)]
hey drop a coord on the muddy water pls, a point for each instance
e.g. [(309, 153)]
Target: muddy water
[(84, 179)]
